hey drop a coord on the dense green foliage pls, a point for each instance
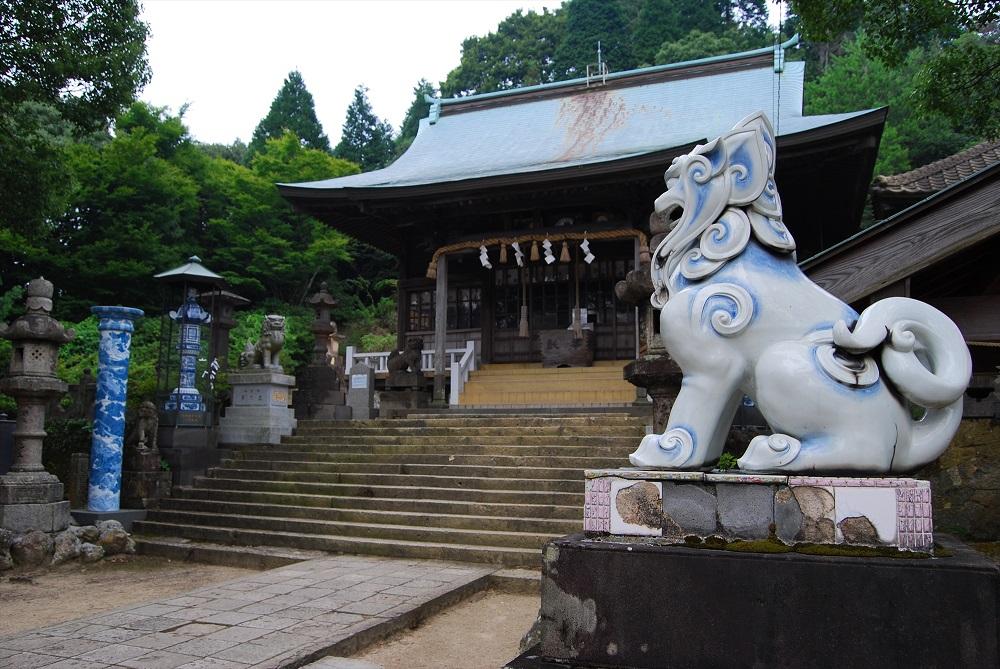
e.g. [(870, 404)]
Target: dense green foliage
[(520, 53), (293, 111), (531, 48), (149, 197), (67, 67), (86, 58), (960, 73), (366, 140), (855, 81), (587, 23)]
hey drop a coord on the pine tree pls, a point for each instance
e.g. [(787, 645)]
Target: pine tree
[(365, 140), (292, 109), (419, 109), (587, 22)]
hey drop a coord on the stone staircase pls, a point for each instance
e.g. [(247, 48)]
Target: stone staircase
[(529, 384), (476, 487)]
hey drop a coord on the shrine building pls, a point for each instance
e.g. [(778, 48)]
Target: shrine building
[(571, 161)]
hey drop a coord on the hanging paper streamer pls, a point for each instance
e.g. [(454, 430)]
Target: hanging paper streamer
[(518, 254), (484, 258), (549, 256), (585, 247)]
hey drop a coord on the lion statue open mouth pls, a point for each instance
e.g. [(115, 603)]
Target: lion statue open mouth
[(740, 318)]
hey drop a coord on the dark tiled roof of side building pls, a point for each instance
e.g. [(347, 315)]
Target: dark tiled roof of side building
[(941, 173)]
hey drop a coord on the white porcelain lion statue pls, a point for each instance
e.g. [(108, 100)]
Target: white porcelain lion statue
[(739, 317)]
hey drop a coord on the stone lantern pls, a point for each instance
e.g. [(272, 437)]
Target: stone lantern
[(30, 497), (326, 346), (185, 372), (319, 394)]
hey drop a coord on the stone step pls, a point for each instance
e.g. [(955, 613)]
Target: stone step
[(423, 506), (368, 530), (511, 557), (246, 557), (388, 491), (528, 461), (465, 471), (568, 413), (402, 480), (591, 380), (408, 518), (529, 396), (621, 451), (478, 421), (514, 438), (599, 367), (348, 432)]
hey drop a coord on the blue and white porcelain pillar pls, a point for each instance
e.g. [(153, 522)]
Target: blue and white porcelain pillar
[(116, 326)]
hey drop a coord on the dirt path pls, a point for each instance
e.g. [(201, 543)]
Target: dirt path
[(481, 633), (72, 591)]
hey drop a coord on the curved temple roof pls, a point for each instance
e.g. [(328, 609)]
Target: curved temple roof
[(568, 124)]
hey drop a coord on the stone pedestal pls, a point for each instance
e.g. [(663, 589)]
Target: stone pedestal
[(144, 481), (396, 403), (318, 394), (260, 412), (608, 603), (694, 508), (661, 379), (361, 392)]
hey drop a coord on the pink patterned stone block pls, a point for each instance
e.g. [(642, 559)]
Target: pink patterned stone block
[(914, 521), (597, 505)]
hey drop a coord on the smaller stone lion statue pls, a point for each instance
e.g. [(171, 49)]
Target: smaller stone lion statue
[(407, 360), (144, 434), (264, 353)]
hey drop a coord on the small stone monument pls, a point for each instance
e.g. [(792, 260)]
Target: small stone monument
[(30, 497), (262, 392), (319, 394), (361, 392), (144, 481)]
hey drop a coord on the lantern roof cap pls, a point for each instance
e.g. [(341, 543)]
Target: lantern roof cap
[(193, 272), (322, 296)]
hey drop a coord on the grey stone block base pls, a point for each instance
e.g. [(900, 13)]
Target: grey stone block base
[(680, 506), (45, 517), (124, 516)]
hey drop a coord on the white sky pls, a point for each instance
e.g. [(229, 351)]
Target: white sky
[(228, 58)]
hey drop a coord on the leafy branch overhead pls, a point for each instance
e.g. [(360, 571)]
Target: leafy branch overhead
[(961, 75)]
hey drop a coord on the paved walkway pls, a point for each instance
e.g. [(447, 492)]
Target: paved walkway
[(284, 617)]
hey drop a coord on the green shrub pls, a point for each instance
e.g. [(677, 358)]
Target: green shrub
[(63, 438)]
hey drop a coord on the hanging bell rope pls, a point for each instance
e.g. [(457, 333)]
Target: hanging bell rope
[(624, 233)]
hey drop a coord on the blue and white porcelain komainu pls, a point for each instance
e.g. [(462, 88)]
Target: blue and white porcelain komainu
[(739, 317)]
